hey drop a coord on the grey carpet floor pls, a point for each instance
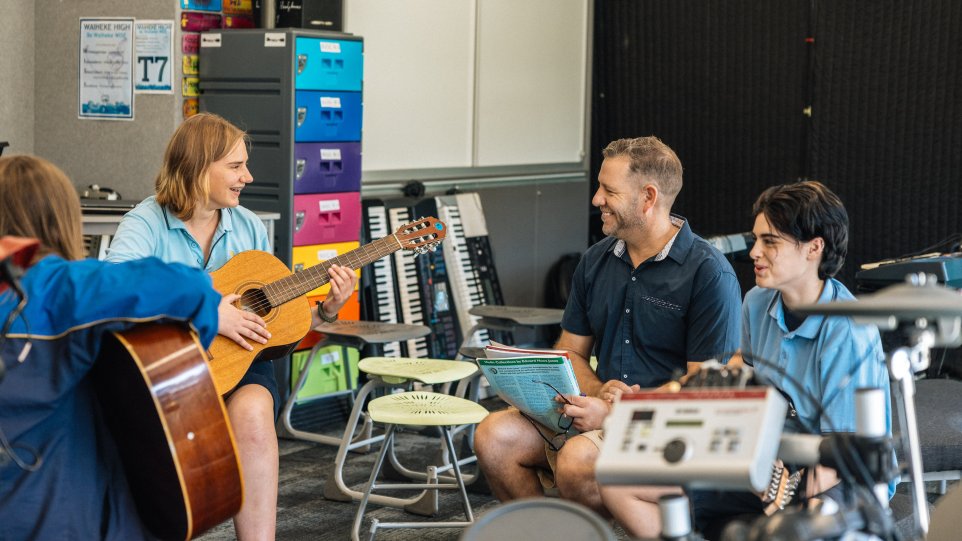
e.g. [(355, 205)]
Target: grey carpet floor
[(304, 514)]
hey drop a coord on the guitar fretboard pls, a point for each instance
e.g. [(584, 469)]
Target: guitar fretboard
[(299, 283)]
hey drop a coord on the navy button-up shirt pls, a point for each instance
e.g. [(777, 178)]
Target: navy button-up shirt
[(651, 320)]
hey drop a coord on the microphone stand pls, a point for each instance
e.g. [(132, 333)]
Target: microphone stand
[(903, 364)]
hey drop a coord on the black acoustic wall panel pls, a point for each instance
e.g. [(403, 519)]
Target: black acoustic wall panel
[(722, 83), (887, 121)]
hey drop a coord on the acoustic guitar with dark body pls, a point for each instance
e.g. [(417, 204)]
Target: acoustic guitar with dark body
[(270, 290), (171, 429)]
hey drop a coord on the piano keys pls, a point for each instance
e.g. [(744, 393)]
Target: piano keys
[(379, 296), (438, 288), (467, 250)]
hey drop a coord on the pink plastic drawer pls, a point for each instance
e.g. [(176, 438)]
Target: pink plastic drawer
[(322, 218)]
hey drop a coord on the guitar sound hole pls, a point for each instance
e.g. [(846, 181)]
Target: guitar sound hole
[(254, 300)]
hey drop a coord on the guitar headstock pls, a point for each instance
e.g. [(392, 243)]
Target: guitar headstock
[(421, 235)]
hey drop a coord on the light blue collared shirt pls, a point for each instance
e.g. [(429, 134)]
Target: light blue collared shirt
[(152, 230), (829, 357)]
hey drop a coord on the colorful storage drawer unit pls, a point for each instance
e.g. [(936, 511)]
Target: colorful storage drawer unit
[(304, 257), (323, 218), (328, 64), (201, 5), (327, 167), (327, 373), (327, 116)]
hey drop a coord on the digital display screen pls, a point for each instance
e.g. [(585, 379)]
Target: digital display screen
[(643, 415), (684, 423)]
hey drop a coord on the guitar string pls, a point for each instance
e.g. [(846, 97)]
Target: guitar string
[(287, 292), (277, 289), (284, 287)]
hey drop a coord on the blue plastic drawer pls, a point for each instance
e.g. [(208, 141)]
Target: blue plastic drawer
[(327, 167), (201, 5), (327, 116), (328, 64)]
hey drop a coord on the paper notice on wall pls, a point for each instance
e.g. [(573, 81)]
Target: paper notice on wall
[(154, 46), (106, 81)]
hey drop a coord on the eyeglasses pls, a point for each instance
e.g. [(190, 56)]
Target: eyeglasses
[(564, 427)]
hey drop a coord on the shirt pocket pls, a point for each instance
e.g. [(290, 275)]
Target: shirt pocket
[(663, 324)]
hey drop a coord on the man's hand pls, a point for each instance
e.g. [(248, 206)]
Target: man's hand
[(240, 325), (587, 412), (612, 389)]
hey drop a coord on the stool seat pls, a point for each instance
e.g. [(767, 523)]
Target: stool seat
[(373, 332), (521, 315), (425, 408), (427, 371)]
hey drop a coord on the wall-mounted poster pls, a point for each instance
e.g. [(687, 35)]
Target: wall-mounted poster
[(106, 82), (154, 45)]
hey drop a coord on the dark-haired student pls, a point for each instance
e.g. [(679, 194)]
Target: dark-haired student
[(801, 233), (64, 479)]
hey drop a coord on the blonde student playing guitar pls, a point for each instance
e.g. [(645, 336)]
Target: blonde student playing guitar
[(195, 218)]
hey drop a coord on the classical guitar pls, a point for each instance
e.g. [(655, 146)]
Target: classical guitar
[(171, 429), (269, 289)]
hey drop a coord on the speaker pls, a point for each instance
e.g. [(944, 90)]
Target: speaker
[(316, 14)]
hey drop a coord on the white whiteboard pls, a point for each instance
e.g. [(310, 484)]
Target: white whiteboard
[(532, 64), (453, 84)]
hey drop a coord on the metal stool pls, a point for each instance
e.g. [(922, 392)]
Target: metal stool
[(394, 372), (419, 408)]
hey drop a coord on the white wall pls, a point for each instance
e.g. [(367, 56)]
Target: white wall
[(17, 75)]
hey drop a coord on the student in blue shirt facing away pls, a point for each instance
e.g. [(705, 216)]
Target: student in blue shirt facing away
[(801, 239), (48, 410), (196, 219)]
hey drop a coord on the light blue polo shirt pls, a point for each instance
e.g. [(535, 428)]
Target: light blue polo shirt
[(830, 357), (152, 230)]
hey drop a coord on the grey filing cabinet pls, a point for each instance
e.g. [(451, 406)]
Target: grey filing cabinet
[(297, 94)]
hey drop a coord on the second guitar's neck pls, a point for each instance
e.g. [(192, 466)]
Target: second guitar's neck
[(299, 283)]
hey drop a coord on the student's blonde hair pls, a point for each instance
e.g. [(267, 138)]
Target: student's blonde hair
[(184, 178), (38, 200)]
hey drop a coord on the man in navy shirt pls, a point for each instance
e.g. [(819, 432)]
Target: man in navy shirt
[(651, 300)]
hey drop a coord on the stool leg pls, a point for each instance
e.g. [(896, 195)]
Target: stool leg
[(457, 473), (335, 488), (359, 518)]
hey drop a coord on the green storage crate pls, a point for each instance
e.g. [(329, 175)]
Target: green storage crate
[(327, 371)]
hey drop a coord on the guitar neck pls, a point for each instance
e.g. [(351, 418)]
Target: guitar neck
[(301, 282)]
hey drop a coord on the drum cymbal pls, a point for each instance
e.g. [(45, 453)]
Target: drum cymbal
[(905, 302)]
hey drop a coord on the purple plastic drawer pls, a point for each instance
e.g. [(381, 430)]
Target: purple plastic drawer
[(327, 167)]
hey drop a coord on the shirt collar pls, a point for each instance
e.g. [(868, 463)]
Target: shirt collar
[(676, 248), (810, 327), (224, 224)]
